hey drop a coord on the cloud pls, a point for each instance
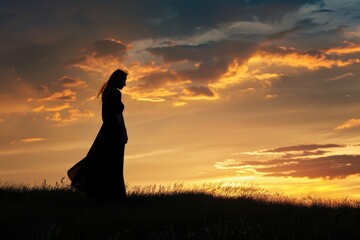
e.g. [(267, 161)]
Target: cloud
[(29, 140), (52, 109), (304, 154), (299, 161), (201, 52), (156, 95), (102, 56), (137, 19), (323, 11), (271, 96), (228, 164), (72, 116), (304, 147), (28, 54), (349, 47), (296, 151), (267, 76), (159, 79), (310, 59), (254, 67), (85, 31), (217, 65), (200, 91), (42, 88), (65, 95), (282, 34), (330, 167), (341, 76), (210, 60), (72, 82), (341, 29), (161, 85), (109, 47), (300, 25), (306, 23), (351, 123), (203, 65), (153, 83)]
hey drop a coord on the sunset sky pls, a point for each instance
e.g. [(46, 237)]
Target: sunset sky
[(238, 91)]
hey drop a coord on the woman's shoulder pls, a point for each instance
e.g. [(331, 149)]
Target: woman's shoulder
[(112, 95)]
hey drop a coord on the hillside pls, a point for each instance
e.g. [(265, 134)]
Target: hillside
[(60, 213)]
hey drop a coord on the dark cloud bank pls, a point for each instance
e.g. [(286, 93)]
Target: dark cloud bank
[(213, 58), (296, 162), (137, 19)]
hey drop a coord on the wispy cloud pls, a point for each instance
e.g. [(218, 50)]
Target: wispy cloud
[(29, 140), (330, 167), (43, 88), (345, 75), (102, 56), (304, 147), (159, 79), (72, 115), (351, 123), (282, 34), (298, 161), (65, 95), (323, 11), (52, 109), (296, 151), (310, 59), (67, 81), (100, 49), (209, 60), (200, 91), (347, 49)]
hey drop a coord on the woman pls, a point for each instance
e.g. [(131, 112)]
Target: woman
[(100, 173)]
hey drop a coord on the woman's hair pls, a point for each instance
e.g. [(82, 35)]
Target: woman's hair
[(116, 76)]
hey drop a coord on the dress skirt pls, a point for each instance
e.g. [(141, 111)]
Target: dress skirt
[(100, 173)]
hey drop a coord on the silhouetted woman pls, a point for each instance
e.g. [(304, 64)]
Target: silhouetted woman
[(100, 173)]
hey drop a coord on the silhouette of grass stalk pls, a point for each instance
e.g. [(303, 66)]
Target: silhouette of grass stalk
[(174, 211)]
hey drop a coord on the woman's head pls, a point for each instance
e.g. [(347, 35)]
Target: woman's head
[(116, 80)]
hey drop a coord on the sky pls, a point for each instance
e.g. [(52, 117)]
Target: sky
[(245, 91)]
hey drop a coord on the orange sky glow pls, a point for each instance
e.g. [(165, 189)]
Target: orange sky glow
[(272, 101)]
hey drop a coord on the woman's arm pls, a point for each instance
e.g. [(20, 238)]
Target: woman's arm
[(121, 121)]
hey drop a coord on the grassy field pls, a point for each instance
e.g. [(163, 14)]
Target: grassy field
[(158, 212)]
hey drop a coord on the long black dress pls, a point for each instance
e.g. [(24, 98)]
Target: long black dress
[(100, 173)]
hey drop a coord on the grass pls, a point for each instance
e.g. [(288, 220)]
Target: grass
[(172, 212)]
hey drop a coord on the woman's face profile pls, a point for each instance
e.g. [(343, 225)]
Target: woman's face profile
[(121, 84)]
